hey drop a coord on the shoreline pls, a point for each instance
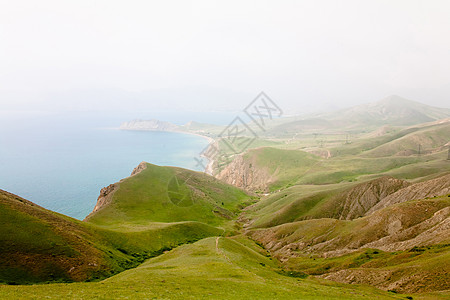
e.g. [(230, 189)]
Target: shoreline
[(209, 167)]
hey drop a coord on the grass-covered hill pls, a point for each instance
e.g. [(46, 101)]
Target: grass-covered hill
[(404, 247), (320, 208), (150, 212), (38, 245), (367, 209), (169, 194), (212, 268), (427, 138), (42, 246)]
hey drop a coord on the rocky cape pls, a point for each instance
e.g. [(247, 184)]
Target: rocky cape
[(150, 125)]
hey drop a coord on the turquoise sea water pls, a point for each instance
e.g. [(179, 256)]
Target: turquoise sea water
[(61, 161)]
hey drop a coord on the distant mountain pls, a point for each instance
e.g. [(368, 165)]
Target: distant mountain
[(393, 110)]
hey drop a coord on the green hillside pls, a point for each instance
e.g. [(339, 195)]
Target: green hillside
[(400, 142), (213, 268), (141, 222), (168, 194), (39, 245), (337, 205), (380, 243)]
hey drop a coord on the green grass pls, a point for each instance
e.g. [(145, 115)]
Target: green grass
[(161, 227), (285, 166), (202, 271), (166, 194), (428, 265), (354, 233), (141, 222), (371, 258)]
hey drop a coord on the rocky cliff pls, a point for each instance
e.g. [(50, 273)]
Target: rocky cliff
[(107, 192), (242, 173)]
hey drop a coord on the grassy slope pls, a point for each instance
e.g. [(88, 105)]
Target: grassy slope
[(146, 197), (418, 269), (202, 270), (39, 245), (355, 233), (142, 221), (402, 142), (307, 181)]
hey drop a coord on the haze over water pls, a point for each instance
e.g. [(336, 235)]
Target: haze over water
[(61, 161)]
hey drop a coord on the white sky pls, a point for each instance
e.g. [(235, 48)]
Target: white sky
[(220, 54)]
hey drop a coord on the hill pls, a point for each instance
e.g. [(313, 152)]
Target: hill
[(213, 268), (154, 210), (411, 241), (39, 245), (168, 194), (393, 110)]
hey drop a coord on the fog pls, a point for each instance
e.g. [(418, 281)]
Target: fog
[(218, 55)]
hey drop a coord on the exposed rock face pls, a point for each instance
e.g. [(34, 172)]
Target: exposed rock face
[(431, 231), (242, 173), (388, 227), (431, 188), (105, 196), (139, 168), (358, 200), (413, 280), (107, 193), (152, 125), (420, 223), (396, 220)]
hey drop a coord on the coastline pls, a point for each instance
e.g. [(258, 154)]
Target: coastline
[(209, 167)]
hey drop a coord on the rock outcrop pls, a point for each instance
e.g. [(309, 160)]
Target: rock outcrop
[(106, 193), (105, 197), (242, 173), (355, 202), (139, 168), (430, 188), (400, 227)]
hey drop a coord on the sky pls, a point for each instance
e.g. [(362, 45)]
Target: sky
[(218, 55)]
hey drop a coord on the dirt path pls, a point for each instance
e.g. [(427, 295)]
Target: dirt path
[(220, 251), (237, 265)]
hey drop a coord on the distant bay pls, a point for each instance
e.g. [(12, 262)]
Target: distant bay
[(61, 161)]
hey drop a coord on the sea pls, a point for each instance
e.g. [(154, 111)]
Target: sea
[(61, 160)]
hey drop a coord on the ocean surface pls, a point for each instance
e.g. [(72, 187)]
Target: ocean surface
[(61, 160)]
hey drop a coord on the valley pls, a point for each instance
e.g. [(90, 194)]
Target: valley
[(353, 204)]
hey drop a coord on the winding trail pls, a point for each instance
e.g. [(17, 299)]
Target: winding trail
[(237, 265), (221, 252)]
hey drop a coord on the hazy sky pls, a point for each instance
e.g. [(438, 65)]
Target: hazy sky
[(220, 54)]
